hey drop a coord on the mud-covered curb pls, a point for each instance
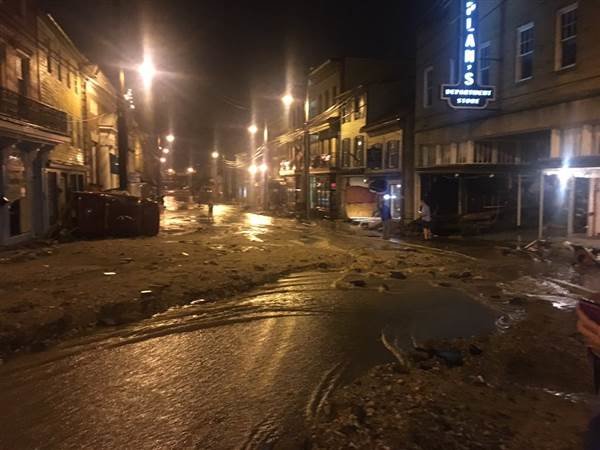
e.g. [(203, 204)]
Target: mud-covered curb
[(66, 324)]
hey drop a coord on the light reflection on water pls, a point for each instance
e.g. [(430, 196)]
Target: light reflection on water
[(256, 226)]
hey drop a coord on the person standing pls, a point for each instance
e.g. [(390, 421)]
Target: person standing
[(425, 212), (386, 218)]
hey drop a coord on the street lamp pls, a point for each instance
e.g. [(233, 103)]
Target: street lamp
[(263, 167), (190, 170), (147, 72), (253, 169), (170, 138), (163, 160), (165, 151), (287, 100), (253, 129), (215, 155)]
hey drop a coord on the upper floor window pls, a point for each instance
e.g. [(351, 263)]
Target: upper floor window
[(566, 51), (333, 94), (525, 47), (346, 152), (49, 56), (484, 64), (326, 100), (392, 156), (428, 87), (375, 157), (59, 67), (359, 151), (359, 107), (68, 78), (320, 104), (347, 112)]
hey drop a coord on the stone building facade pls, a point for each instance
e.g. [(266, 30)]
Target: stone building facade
[(532, 156)]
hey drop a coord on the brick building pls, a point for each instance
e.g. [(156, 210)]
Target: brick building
[(531, 157)]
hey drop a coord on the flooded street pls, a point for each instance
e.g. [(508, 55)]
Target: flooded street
[(242, 373)]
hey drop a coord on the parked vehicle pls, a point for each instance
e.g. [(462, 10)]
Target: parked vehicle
[(99, 214)]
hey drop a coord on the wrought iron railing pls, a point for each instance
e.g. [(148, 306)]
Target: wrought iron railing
[(22, 108)]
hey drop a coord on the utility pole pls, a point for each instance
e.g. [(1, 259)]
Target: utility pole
[(123, 133), (307, 154)]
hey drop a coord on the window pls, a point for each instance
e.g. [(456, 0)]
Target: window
[(327, 99), (484, 64), (392, 157), (567, 37), (428, 155), (347, 112), (333, 94), (463, 153), (571, 142), (346, 153), (2, 63), (359, 151), (447, 155), (22, 70), (375, 157), (320, 106), (49, 56), (359, 107), (428, 87), (525, 46), (93, 108), (59, 69), (69, 79), (76, 82), (485, 152)]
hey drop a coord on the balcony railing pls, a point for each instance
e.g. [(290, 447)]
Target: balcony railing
[(25, 109)]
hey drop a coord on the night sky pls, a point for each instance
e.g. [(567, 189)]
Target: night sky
[(220, 57)]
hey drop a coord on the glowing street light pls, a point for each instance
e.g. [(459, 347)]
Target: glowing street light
[(147, 72), (163, 160), (170, 138), (287, 100), (214, 155), (190, 170), (263, 168), (171, 171), (165, 151), (253, 169), (252, 129)]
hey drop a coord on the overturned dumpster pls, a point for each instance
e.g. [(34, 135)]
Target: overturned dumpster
[(99, 215)]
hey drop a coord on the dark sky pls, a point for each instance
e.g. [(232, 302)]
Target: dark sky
[(219, 57)]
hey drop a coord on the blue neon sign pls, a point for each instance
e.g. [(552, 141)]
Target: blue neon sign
[(467, 94)]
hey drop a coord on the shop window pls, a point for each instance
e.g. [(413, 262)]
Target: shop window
[(392, 157), (359, 152), (321, 193), (566, 34), (346, 152), (525, 49), (375, 157)]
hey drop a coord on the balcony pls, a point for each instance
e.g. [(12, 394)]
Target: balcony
[(24, 109)]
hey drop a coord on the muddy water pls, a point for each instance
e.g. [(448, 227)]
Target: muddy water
[(246, 373)]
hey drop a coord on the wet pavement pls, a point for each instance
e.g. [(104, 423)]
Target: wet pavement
[(246, 372)]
